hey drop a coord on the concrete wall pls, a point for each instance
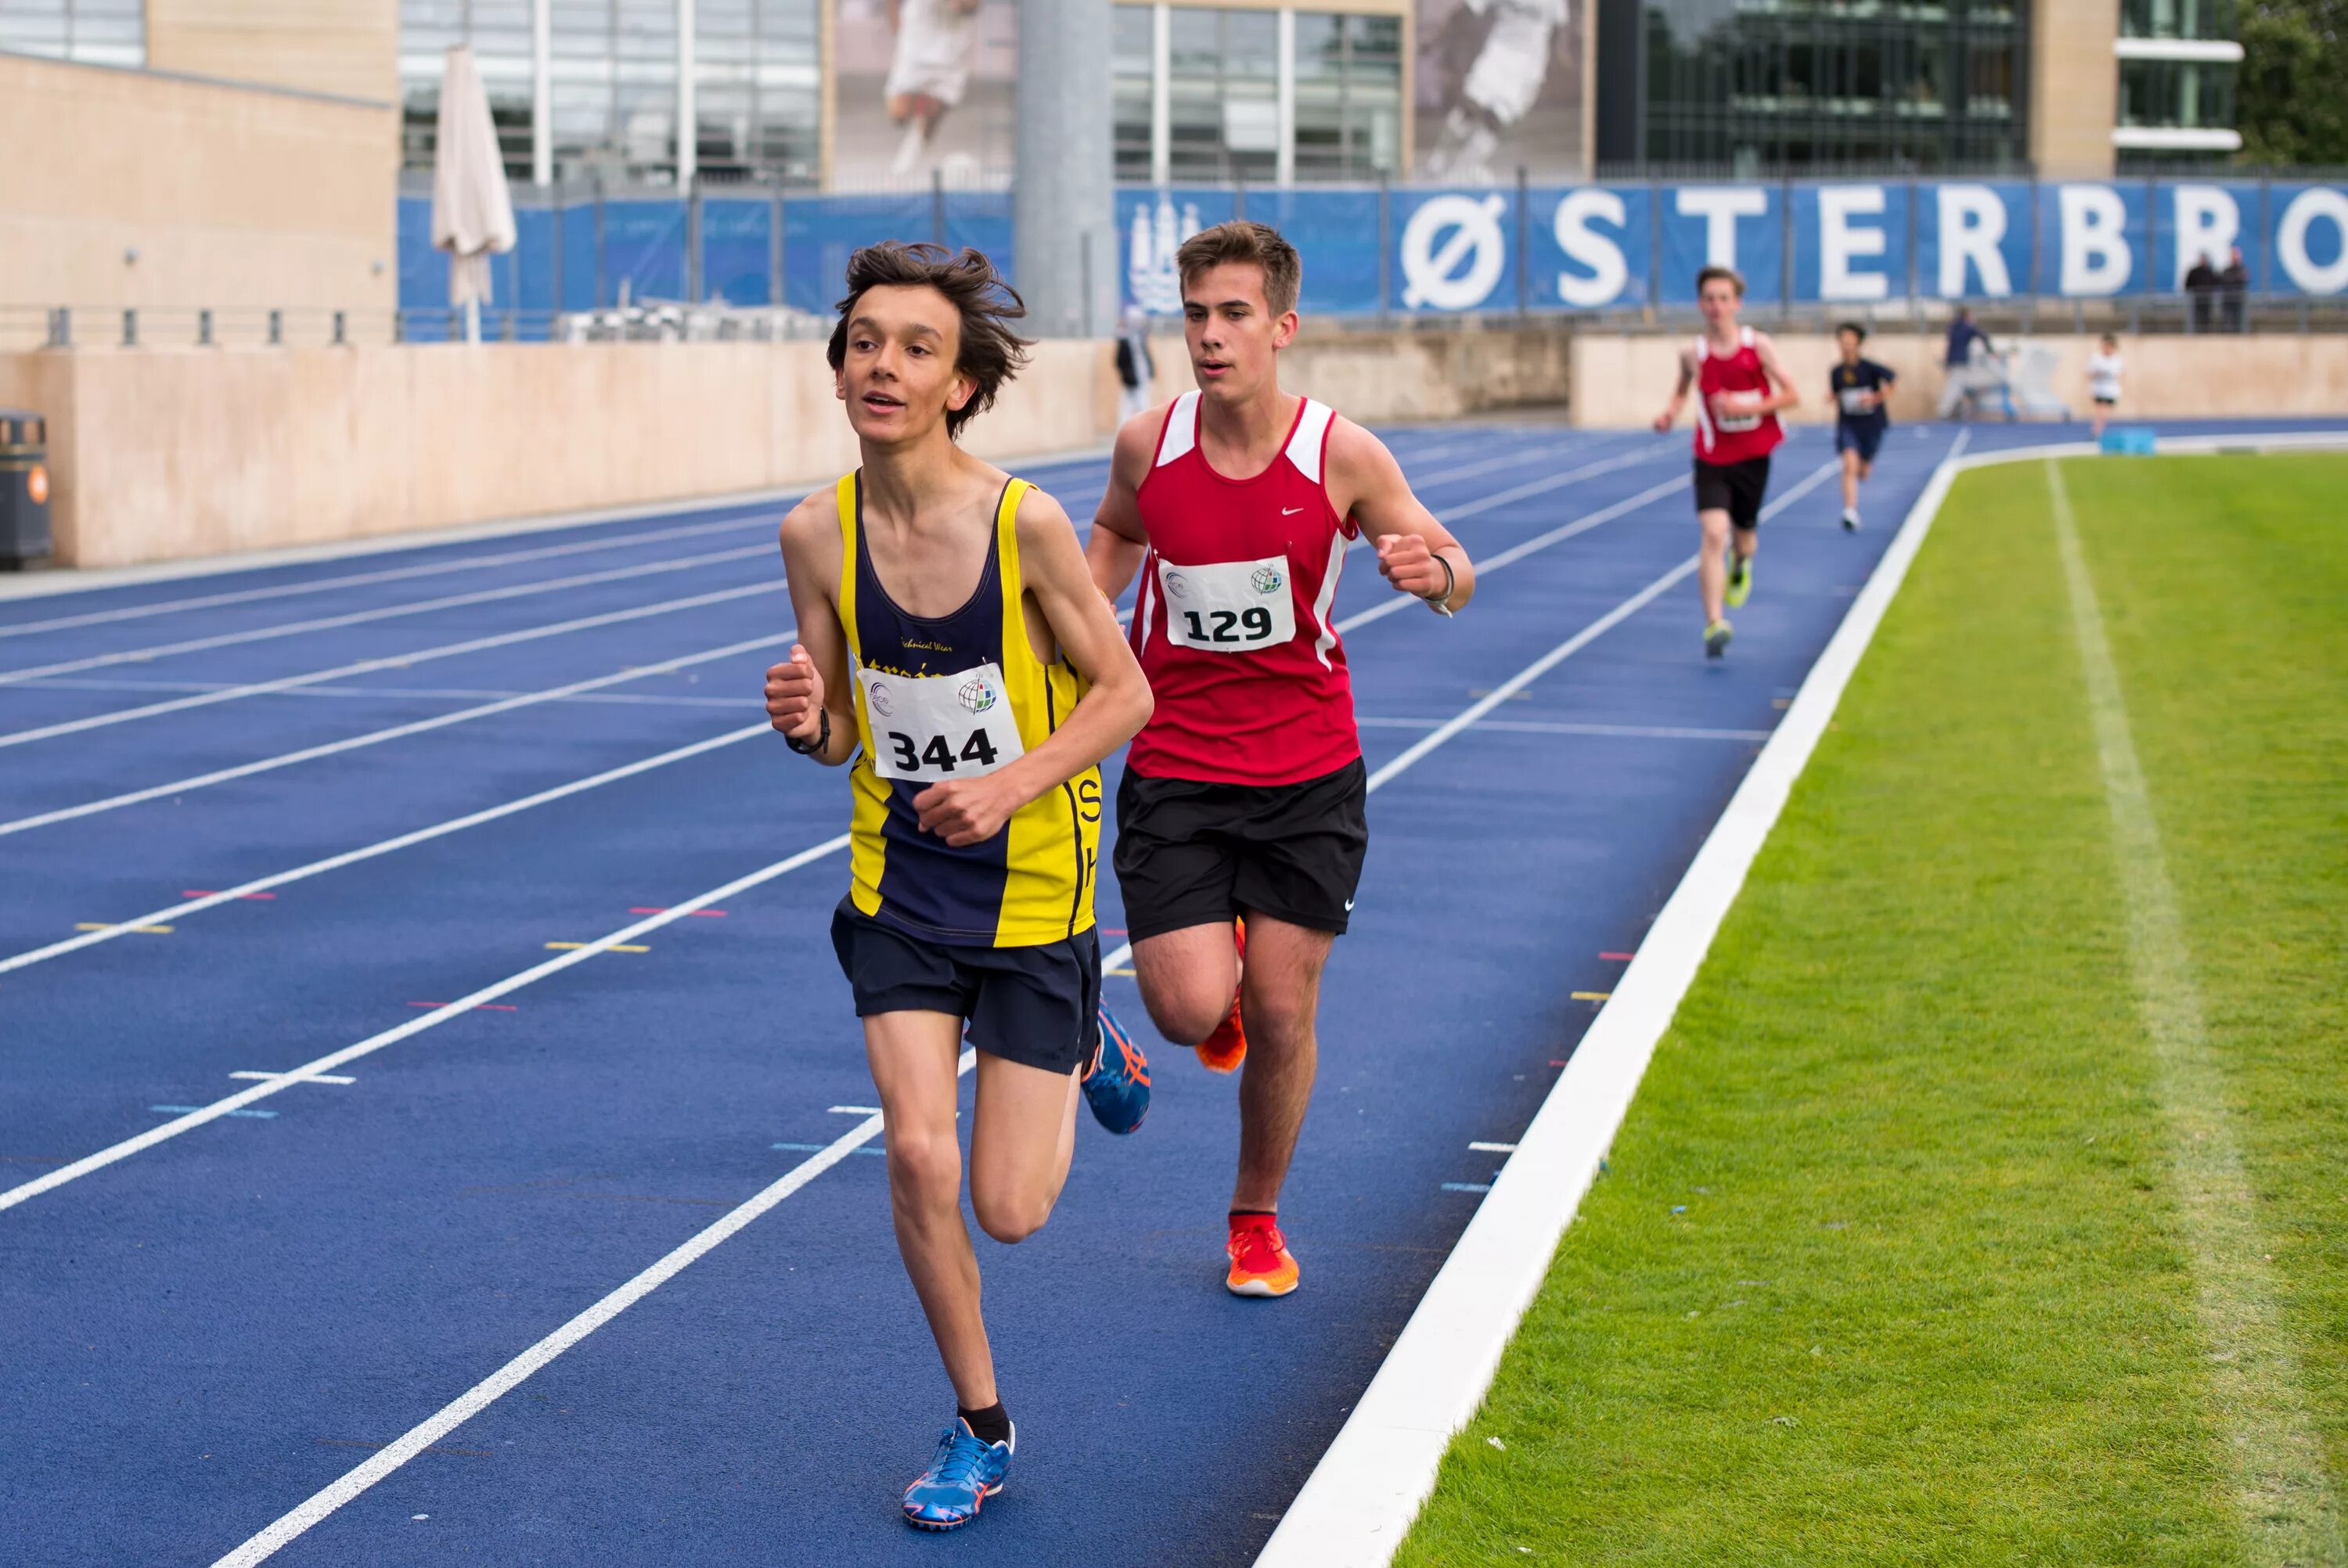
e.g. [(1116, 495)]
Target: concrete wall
[(233, 198), (165, 453), (2074, 86), (1621, 382), (348, 48)]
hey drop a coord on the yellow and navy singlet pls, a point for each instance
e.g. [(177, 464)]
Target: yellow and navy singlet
[(957, 696)]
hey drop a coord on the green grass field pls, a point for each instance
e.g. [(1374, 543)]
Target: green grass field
[(1890, 1265)]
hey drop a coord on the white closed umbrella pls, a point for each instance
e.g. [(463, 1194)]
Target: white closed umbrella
[(472, 211)]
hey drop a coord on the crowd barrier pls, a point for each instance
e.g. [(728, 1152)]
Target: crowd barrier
[(1399, 252)]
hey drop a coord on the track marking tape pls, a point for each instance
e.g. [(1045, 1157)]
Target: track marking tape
[(141, 930), (611, 947), (183, 1110), (1618, 957), (293, 1077), (1591, 996)]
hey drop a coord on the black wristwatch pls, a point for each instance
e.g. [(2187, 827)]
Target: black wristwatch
[(820, 745)]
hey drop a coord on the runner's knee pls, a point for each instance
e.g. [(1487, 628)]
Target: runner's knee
[(1010, 1211), (925, 1168), (1185, 1012)]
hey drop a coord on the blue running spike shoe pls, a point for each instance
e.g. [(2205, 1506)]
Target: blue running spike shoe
[(962, 1474), (1117, 1086)]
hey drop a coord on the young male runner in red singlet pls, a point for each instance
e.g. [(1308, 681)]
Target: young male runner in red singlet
[(1243, 795), (1734, 370)]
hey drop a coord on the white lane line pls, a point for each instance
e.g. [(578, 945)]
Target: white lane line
[(293, 1077), (2272, 1446), (383, 846), (377, 737), (1359, 1502), (384, 612), (390, 574), (510, 1376), (1536, 727), (389, 662), (385, 693), (625, 935), (478, 1397)]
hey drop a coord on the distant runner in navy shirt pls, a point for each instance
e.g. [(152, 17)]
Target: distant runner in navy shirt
[(1859, 387)]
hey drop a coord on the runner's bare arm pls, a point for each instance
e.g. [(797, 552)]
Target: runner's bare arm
[(1670, 416), (970, 811), (1119, 542), (1787, 396), (814, 679), (1366, 484)]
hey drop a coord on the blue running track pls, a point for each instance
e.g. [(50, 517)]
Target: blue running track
[(207, 1330)]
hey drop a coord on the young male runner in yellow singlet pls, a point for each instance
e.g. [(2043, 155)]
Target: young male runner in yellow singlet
[(988, 680)]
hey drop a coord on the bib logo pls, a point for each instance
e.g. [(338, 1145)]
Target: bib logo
[(879, 697), (1178, 585), (1267, 579), (976, 694), (1150, 275), (1469, 229)]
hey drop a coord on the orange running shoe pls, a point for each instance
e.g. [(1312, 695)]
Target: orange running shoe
[(1223, 1050), (1261, 1262)]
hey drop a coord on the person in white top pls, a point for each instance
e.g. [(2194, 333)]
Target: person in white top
[(2103, 368)]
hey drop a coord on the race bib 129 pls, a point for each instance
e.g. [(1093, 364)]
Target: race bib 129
[(1229, 607), (932, 727)]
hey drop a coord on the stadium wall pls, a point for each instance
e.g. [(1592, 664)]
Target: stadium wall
[(123, 188), (165, 454), (1620, 381)]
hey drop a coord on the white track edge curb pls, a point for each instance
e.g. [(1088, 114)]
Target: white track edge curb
[(1362, 1498)]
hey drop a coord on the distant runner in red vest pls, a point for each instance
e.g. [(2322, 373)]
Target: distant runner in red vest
[(1733, 369), (1242, 799)]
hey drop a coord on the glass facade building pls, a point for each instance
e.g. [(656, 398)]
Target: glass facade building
[(2178, 61), (613, 77), (95, 32), (1214, 95), (1752, 87)]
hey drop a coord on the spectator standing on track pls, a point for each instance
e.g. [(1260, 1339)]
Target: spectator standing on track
[(989, 680), (2201, 292), (2104, 368), (1135, 370), (1242, 798), (1739, 388), (1858, 387), (2233, 291), (1966, 376)]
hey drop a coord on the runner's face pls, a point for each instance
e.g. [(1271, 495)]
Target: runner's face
[(1848, 342), (898, 376), (1231, 331), (1720, 302)]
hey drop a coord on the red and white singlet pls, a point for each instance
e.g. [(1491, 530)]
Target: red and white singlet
[(1233, 624), (1734, 440)]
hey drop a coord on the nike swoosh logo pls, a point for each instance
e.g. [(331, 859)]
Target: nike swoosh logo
[(1289, 511), (1349, 905)]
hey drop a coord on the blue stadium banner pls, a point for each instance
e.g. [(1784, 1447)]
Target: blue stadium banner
[(1430, 251)]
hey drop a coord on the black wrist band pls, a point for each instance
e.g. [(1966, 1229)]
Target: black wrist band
[(822, 744)]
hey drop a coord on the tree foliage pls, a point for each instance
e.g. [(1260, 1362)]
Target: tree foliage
[(2293, 89)]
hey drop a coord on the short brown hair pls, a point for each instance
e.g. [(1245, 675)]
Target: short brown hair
[(1258, 245), (990, 353), (1736, 278)]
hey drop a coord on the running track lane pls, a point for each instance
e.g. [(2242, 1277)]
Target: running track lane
[(766, 1403)]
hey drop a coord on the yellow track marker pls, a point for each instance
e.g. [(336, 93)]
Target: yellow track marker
[(1591, 996), (1129, 974), (615, 947), (106, 925)]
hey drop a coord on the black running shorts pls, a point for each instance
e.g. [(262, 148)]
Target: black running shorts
[(1735, 488), (1035, 1006), (1194, 853)]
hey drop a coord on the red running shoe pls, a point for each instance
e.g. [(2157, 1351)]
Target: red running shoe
[(1223, 1050), (1261, 1262)]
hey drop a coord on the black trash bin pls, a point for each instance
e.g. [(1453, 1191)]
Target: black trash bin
[(23, 489)]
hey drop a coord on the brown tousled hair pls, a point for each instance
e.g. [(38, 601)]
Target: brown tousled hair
[(1736, 278), (990, 353), (1257, 245)]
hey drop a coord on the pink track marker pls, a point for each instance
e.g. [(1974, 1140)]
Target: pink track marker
[(1617, 957)]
